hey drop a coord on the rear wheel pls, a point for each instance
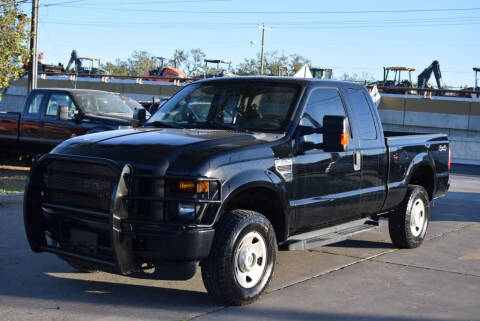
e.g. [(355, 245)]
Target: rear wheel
[(242, 259), (408, 224)]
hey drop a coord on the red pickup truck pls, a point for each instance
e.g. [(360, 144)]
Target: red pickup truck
[(51, 116)]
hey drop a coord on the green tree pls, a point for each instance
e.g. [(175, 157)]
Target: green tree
[(364, 77), (140, 63), (194, 65), (296, 62), (275, 64), (14, 37), (119, 67), (180, 57), (249, 66)]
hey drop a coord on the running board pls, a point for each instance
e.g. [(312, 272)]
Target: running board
[(328, 235)]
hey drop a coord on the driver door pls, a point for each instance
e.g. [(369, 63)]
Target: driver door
[(326, 185), (54, 130)]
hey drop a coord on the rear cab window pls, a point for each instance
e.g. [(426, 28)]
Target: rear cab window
[(361, 109), (34, 105)]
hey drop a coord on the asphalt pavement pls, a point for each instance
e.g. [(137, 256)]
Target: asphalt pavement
[(363, 278)]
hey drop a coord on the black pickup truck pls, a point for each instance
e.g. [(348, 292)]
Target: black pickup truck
[(51, 116), (225, 173)]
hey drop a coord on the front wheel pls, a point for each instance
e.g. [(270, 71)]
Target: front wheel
[(242, 259), (408, 224)]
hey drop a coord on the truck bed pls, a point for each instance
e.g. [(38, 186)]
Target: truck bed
[(396, 139), (9, 127), (406, 151)]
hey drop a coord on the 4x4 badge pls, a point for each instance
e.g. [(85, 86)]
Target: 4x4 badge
[(442, 148)]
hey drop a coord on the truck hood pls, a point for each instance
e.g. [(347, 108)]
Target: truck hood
[(161, 147)]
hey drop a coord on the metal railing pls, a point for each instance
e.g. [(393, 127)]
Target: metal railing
[(106, 78), (429, 91)]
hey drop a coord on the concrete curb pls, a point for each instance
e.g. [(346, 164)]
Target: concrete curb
[(11, 198)]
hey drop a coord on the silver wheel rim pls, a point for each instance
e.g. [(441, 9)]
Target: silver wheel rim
[(250, 260), (417, 217)]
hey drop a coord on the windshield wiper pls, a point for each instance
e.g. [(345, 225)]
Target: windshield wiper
[(158, 123)]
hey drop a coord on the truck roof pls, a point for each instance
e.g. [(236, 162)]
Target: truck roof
[(277, 79), (75, 91)]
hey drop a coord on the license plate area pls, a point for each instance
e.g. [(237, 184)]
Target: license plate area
[(85, 242)]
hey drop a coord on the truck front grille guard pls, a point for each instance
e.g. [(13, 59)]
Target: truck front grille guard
[(212, 200), (122, 228)]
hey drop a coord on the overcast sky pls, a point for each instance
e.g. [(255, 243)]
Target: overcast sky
[(348, 36)]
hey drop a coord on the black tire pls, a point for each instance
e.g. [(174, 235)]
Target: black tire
[(402, 226), (220, 270), (79, 267)]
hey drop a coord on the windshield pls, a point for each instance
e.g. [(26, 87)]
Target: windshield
[(102, 103), (257, 106), (132, 103)]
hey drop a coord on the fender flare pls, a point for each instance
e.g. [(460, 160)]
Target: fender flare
[(422, 159), (398, 189), (255, 179)]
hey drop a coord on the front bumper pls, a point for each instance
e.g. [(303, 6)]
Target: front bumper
[(111, 239)]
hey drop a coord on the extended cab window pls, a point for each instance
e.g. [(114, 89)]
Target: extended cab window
[(35, 103), (322, 102), (361, 109), (57, 100)]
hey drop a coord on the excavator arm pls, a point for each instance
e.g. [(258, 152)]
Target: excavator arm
[(425, 75), (74, 59)]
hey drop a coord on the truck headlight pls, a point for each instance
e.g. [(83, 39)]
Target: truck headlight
[(186, 210)]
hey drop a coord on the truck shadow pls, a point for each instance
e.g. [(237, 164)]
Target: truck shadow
[(54, 286), (365, 244), (254, 312)]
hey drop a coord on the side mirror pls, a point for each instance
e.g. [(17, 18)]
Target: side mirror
[(139, 117), (336, 133), (307, 130), (62, 113)]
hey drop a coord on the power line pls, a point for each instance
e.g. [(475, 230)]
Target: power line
[(174, 1), (273, 12), (60, 3), (91, 6), (460, 21), (279, 23), (52, 4)]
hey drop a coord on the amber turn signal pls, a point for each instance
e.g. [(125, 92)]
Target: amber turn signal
[(192, 187), (344, 139), (186, 186), (202, 187)]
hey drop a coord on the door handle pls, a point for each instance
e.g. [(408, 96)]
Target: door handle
[(357, 161)]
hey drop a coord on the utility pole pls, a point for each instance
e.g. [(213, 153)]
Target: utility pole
[(32, 72), (263, 27)]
